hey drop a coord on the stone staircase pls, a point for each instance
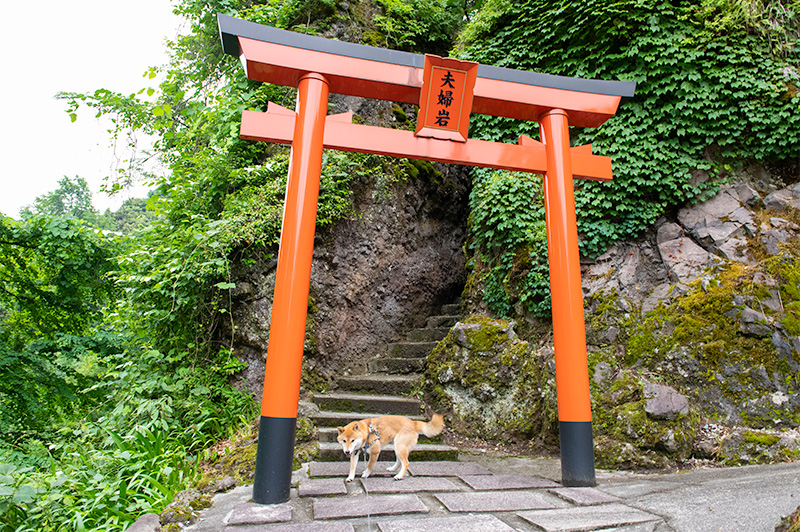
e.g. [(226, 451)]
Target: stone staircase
[(386, 389)]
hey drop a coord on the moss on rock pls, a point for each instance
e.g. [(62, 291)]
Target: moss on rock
[(745, 446), (183, 509), (627, 436), (698, 345), (491, 383)]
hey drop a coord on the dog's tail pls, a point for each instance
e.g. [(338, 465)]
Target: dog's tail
[(431, 428)]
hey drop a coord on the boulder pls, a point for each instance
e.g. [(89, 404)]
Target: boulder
[(719, 219), (669, 231), (734, 249), (749, 196), (664, 402), (685, 260), (632, 270), (779, 199), (146, 523), (751, 322), (660, 294)]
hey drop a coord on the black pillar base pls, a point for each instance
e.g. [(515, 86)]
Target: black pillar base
[(577, 453), (273, 474)]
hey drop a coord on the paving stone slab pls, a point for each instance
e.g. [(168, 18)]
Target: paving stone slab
[(472, 523), (362, 506), (407, 485), (640, 527), (495, 501), (311, 527), (585, 496), (249, 513), (312, 487), (341, 469), (506, 482), (447, 469), (629, 490), (586, 517)]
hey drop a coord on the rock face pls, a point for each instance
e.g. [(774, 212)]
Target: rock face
[(374, 276), (692, 337), (704, 235), (705, 302)]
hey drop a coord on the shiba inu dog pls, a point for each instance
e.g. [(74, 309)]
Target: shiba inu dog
[(370, 434)]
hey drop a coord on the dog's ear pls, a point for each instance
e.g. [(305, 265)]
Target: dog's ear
[(340, 429), (355, 427)]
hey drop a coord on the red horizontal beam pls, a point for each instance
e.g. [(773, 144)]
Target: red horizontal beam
[(277, 125), (283, 65)]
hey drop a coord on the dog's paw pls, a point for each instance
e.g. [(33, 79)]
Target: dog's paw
[(398, 477), (365, 474), (350, 479), (391, 467)]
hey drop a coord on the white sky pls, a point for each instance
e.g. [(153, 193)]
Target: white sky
[(78, 46)]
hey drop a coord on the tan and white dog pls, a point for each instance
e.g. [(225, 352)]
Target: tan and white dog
[(370, 434)]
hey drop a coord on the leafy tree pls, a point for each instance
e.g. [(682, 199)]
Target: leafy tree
[(71, 198), (54, 285), (131, 216)]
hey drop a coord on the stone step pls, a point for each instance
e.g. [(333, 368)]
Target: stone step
[(427, 335), (435, 322), (396, 365), (451, 309), (411, 349), (382, 404), (380, 384), (423, 452), (325, 418), (329, 434)]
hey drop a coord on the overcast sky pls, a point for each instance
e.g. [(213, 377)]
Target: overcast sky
[(79, 46)]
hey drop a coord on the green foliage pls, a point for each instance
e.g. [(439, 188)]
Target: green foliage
[(710, 93), (255, 210), (53, 277), (419, 25), (97, 489), (47, 381), (298, 15), (508, 242), (146, 419), (123, 381), (169, 281)]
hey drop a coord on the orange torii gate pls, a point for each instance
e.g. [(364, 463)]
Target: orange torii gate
[(447, 91)]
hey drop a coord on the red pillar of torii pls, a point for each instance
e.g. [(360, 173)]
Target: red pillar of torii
[(447, 91)]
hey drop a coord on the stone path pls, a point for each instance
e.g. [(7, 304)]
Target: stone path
[(438, 496)]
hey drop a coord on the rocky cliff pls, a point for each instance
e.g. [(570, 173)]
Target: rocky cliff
[(693, 335), (374, 276)]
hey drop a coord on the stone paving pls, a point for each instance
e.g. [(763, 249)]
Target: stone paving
[(437, 496)]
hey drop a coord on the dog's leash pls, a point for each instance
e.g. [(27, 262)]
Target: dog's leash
[(364, 449)]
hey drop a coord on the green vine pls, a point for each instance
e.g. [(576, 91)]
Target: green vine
[(716, 88), (508, 242)]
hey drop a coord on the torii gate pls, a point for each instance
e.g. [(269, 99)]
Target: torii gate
[(447, 91)]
